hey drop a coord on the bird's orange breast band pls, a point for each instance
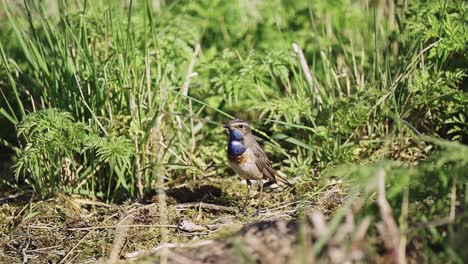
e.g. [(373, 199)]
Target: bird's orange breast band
[(238, 159)]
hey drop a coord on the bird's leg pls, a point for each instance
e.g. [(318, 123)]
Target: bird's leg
[(260, 200), (247, 197)]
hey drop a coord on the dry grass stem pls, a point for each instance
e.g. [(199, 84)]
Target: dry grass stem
[(84, 237), (389, 229), (307, 73), (119, 238), (208, 206)]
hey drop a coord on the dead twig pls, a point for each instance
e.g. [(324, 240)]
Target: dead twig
[(434, 223), (42, 227), (47, 249), (90, 202), (214, 207), (135, 254), (12, 196), (116, 226)]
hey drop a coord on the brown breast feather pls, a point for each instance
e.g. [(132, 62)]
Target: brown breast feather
[(238, 159)]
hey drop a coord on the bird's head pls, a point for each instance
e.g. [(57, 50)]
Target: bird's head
[(238, 129)]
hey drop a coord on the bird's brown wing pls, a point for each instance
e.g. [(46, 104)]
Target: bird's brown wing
[(264, 165)]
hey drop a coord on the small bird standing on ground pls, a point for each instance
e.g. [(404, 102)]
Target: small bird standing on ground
[(247, 159)]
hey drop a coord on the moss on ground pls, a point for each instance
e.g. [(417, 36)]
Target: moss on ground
[(83, 230)]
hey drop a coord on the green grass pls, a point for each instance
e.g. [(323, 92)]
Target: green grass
[(112, 100)]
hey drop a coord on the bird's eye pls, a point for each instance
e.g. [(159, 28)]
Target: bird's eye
[(241, 126)]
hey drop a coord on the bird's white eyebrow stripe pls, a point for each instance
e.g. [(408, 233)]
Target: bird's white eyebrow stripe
[(240, 123)]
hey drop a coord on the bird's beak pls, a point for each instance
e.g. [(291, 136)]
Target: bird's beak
[(226, 126)]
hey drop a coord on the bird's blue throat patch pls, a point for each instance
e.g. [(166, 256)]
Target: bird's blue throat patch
[(236, 143), (235, 134), (236, 147)]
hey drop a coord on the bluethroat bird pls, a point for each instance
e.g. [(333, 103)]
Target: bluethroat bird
[(247, 158)]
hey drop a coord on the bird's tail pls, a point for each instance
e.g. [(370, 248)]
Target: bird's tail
[(283, 180)]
